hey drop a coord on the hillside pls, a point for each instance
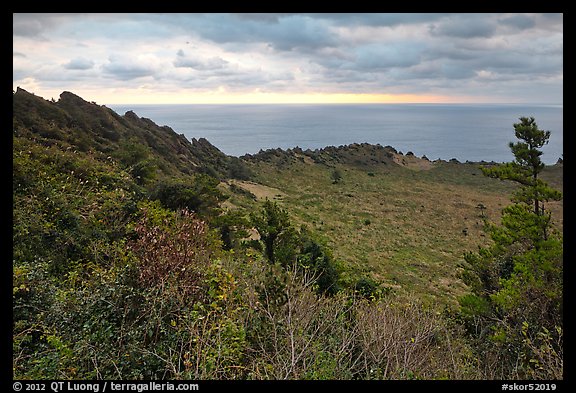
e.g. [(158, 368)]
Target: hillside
[(138, 254), (357, 154), (72, 121), (403, 220)]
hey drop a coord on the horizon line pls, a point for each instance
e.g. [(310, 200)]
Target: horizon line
[(120, 97), (338, 103)]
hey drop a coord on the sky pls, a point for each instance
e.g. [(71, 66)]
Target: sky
[(291, 58)]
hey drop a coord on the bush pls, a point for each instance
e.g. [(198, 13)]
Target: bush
[(199, 195), (294, 333), (367, 288), (336, 176), (237, 169), (319, 261)]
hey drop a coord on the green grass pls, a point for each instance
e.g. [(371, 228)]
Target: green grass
[(420, 221)]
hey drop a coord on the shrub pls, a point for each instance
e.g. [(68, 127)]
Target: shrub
[(336, 176), (199, 195)]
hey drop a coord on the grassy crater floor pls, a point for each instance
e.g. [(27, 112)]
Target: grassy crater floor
[(405, 226)]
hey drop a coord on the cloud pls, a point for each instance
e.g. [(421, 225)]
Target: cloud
[(213, 63), (29, 25), (280, 32), (79, 63), (262, 17), (34, 25), (384, 56), (377, 19), (300, 32), (520, 22), (298, 53), (125, 69), (467, 26)]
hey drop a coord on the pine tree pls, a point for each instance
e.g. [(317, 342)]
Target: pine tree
[(516, 283), (271, 223), (527, 166)]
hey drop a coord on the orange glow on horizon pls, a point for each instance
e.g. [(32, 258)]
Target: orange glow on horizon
[(277, 98), (149, 96), (281, 98)]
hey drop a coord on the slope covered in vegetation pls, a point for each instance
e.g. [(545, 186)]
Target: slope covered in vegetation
[(402, 221), (139, 254), (137, 143)]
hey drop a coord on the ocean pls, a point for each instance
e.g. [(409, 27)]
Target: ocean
[(466, 132)]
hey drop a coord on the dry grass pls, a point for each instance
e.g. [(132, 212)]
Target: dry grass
[(407, 225), (260, 191)]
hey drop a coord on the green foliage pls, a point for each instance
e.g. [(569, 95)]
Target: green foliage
[(145, 149), (100, 276), (474, 305), (336, 176), (111, 284), (527, 166), (162, 308), (273, 226), (137, 159), (517, 282), (318, 259), (285, 245), (526, 152), (66, 203), (199, 195), (237, 169), (368, 288), (233, 226), (544, 352), (151, 294)]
